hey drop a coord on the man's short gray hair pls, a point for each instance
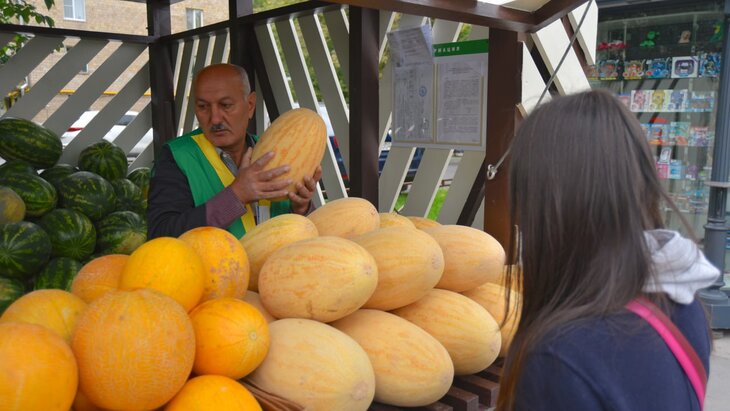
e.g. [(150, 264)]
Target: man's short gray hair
[(244, 79)]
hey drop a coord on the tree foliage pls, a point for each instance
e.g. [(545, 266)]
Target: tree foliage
[(20, 12)]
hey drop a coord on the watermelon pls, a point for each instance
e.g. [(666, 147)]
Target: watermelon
[(141, 177), (38, 194), (129, 196), (25, 140), (58, 172), (10, 290), (105, 159), (121, 232), (17, 166), (24, 249), (87, 193), (12, 207), (59, 273), (72, 234)]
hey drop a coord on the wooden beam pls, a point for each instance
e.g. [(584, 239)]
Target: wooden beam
[(465, 11), (48, 31), (162, 74), (553, 10), (503, 95), (364, 93)]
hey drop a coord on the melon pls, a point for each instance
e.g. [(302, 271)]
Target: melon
[(206, 391), (224, 260), (168, 265), (316, 366), (467, 330), (270, 236), (423, 223), (324, 279), (231, 338), (38, 371), (346, 217), (135, 349), (253, 298), (472, 257), (56, 310), (411, 367), (394, 220), (410, 263), (99, 276), (493, 298), (298, 139)]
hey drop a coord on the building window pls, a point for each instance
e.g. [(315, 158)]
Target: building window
[(74, 10), (195, 18)]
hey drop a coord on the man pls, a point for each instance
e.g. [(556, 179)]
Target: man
[(206, 177)]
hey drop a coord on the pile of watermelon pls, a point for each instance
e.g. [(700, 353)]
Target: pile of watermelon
[(56, 217)]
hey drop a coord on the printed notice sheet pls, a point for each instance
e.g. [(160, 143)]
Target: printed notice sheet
[(412, 59)]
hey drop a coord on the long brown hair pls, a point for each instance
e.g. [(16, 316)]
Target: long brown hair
[(583, 188)]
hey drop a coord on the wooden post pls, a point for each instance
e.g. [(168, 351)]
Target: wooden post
[(503, 95), (161, 74), (364, 138)]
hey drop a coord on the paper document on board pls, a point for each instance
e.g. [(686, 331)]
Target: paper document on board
[(461, 99)]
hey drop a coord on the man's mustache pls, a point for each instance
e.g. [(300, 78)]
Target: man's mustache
[(218, 127)]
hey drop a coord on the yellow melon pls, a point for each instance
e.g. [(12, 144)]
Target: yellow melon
[(298, 139), (410, 263), (423, 223), (493, 297), (467, 331), (270, 236), (472, 256), (346, 217), (254, 299), (411, 367), (231, 338), (213, 391), (168, 265), (394, 220), (81, 403), (56, 310), (99, 276), (224, 260), (316, 366), (324, 278), (37, 369), (135, 349)]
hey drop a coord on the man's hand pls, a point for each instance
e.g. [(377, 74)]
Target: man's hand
[(300, 200), (252, 183)]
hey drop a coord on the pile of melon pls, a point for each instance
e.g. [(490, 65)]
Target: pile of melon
[(332, 312)]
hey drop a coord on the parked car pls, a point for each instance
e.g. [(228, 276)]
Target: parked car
[(111, 135)]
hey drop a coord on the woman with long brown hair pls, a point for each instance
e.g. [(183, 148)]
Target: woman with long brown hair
[(586, 198)]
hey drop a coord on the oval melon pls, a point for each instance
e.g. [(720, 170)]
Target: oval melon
[(324, 278), (298, 139), (200, 393), (270, 236), (492, 297), (316, 366), (422, 223), (467, 331), (99, 276), (472, 256), (56, 310), (12, 207), (394, 220), (346, 217), (411, 367), (410, 263), (253, 298)]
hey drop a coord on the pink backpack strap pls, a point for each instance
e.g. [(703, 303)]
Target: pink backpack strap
[(676, 341)]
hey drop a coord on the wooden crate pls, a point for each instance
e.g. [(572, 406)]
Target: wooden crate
[(476, 392)]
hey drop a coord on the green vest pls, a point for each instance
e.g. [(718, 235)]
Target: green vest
[(204, 174)]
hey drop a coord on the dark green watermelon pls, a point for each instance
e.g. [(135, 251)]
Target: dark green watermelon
[(10, 290), (17, 166), (25, 140), (24, 249), (129, 196), (59, 273), (58, 172), (38, 194), (141, 177), (105, 159), (87, 193), (72, 234), (121, 232)]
